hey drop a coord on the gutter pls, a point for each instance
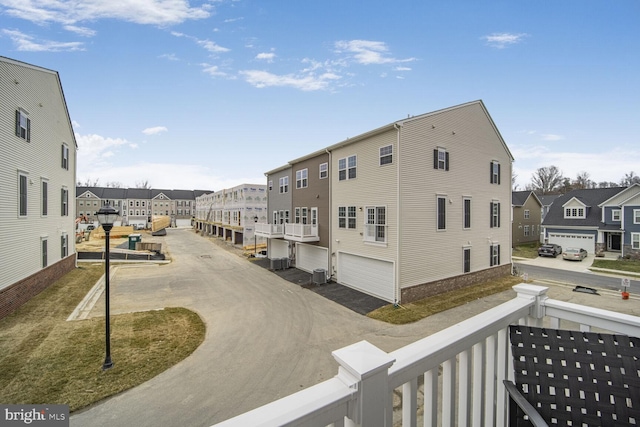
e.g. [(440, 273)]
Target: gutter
[(398, 222)]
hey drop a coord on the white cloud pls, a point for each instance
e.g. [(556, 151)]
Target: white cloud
[(169, 57), (502, 40), (551, 137), (266, 56), (209, 45), (27, 43), (213, 70), (305, 82), (94, 149), (402, 69), (368, 52), (70, 12), (155, 130), (81, 31)]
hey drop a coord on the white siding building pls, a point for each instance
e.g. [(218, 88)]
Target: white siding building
[(38, 175)]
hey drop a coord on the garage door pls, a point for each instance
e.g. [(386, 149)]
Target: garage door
[(372, 276), (183, 222), (310, 257), (278, 248), (567, 240)]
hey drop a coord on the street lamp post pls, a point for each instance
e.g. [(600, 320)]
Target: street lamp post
[(255, 237), (106, 217)]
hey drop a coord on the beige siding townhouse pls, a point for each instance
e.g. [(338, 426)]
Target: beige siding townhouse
[(422, 205), (526, 217), (38, 175)]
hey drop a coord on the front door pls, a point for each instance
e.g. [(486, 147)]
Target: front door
[(614, 242), (314, 221)]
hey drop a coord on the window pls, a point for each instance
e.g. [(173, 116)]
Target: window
[(45, 197), (495, 172), (64, 246), (466, 260), (65, 156), (284, 184), (324, 170), (635, 240), (494, 255), (43, 245), (466, 203), (441, 159), (347, 217), (574, 213), (23, 125), (301, 215), (615, 215), (636, 216), (441, 213), (22, 194), (130, 203), (375, 225), (527, 214), (386, 155), (302, 180), (270, 185), (494, 213), (130, 211), (64, 202), (347, 168), (526, 231)]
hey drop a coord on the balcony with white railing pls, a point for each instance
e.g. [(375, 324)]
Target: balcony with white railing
[(301, 232), (270, 231), (457, 371)]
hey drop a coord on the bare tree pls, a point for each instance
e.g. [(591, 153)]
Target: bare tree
[(514, 186), (546, 180), (113, 184), (582, 181), (89, 182), (607, 184), (629, 179), (143, 184)]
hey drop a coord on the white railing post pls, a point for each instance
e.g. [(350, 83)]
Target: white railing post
[(538, 294), (364, 367)]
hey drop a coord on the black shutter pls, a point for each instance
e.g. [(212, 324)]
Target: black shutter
[(498, 263), (491, 215), (446, 161), (63, 165), (62, 202), (498, 173), (435, 158), (17, 123), (490, 255), (491, 172), (498, 214), (28, 130)]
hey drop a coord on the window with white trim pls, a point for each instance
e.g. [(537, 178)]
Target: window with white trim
[(466, 214), (635, 240), (616, 215), (44, 253), (284, 184), (22, 194), (578, 213), (65, 156), (64, 245), (636, 216), (495, 172), (375, 224), (441, 159), (44, 189), (494, 255), (347, 168), (494, 211), (526, 231), (270, 185), (441, 213), (324, 170), (23, 125), (64, 201), (386, 155), (527, 214), (302, 178), (301, 215), (347, 217)]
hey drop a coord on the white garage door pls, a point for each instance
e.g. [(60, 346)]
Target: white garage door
[(309, 257), (183, 222), (278, 248), (567, 240), (372, 276)]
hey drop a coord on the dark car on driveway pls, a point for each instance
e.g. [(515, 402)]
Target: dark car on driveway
[(550, 249)]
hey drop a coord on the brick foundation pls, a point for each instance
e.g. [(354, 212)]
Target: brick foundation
[(12, 297), (425, 290)]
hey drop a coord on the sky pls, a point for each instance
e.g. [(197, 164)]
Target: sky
[(212, 94)]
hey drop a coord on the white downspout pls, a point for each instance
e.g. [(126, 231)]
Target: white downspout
[(398, 222), (330, 177)]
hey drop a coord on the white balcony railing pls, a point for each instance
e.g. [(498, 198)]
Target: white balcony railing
[(301, 232), (270, 230), (473, 357)]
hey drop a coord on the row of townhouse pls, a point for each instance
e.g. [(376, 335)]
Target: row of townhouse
[(402, 212), (138, 205), (38, 171), (232, 213)]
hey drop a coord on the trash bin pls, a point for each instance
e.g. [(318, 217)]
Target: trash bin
[(133, 239)]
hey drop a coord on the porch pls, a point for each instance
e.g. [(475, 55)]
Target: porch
[(301, 232), (270, 231), (458, 371)]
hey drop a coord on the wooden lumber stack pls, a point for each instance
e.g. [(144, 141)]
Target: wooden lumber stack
[(160, 222)]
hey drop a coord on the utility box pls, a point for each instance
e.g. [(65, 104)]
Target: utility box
[(319, 276), (276, 263), (133, 239)]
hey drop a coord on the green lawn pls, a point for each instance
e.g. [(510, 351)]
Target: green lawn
[(46, 360), (622, 264), (529, 250)]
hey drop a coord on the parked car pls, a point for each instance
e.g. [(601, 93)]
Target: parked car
[(574, 254), (550, 249)]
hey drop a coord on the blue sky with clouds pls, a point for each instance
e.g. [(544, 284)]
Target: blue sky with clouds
[(210, 94)]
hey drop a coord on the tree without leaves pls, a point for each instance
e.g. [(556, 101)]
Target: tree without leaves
[(143, 184), (629, 179), (582, 181), (546, 180), (113, 184)]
